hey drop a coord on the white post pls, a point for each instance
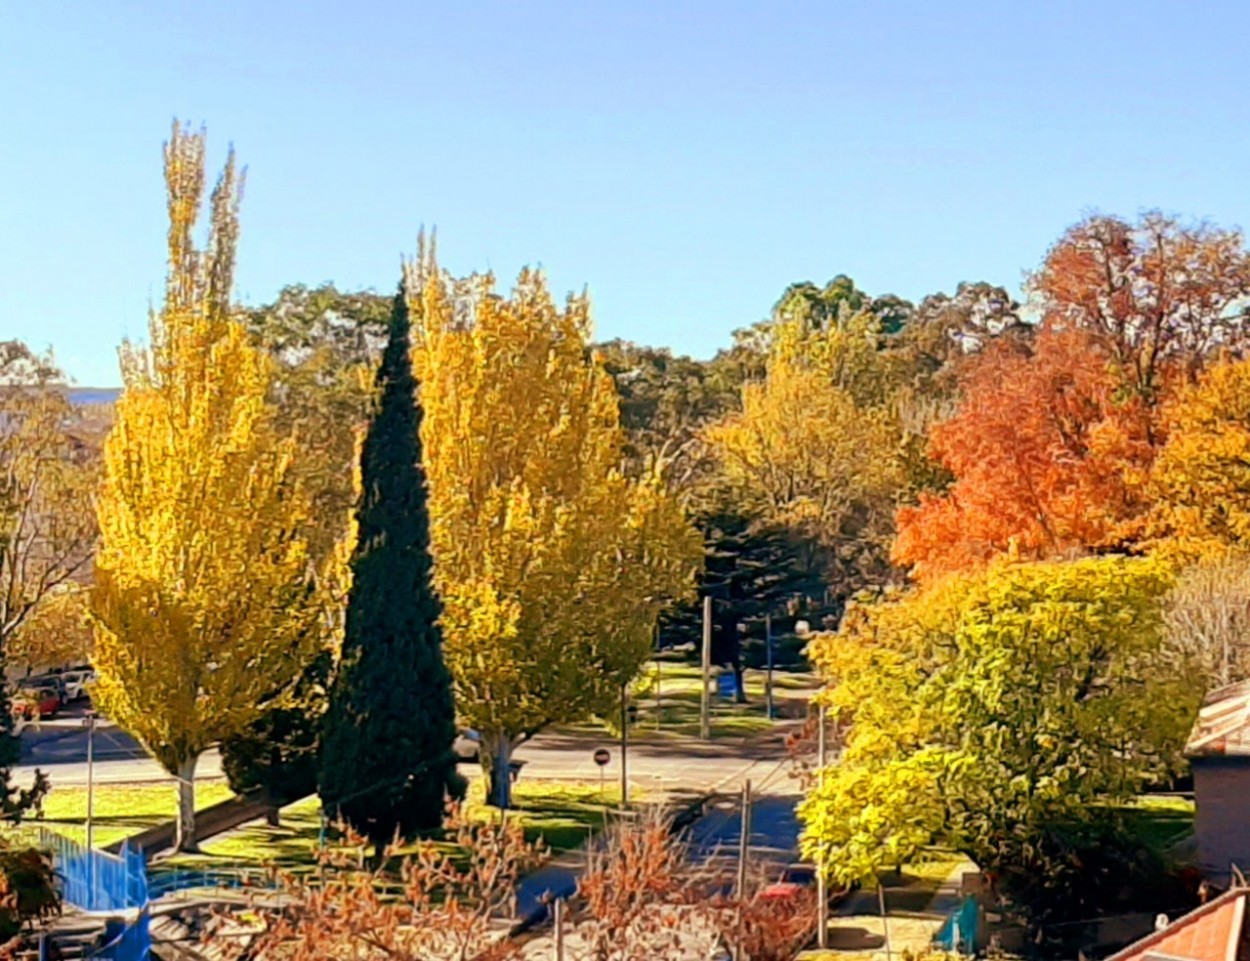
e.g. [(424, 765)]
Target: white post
[(558, 923), (822, 896), (705, 701)]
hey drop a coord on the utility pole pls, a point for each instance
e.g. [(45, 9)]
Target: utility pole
[(89, 722), (705, 701), (885, 924), (768, 679), (744, 841), (659, 677), (822, 894), (624, 746)]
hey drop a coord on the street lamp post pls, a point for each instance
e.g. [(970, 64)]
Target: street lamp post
[(89, 722), (624, 746)]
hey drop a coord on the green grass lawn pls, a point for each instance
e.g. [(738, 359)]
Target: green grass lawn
[(1160, 821), (120, 810), (668, 695), (561, 814)]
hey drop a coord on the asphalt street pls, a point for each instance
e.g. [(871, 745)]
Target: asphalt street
[(656, 765)]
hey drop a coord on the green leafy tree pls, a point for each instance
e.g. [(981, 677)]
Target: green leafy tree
[(998, 714), (664, 402), (386, 760)]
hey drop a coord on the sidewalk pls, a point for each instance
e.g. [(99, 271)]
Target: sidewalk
[(914, 913)]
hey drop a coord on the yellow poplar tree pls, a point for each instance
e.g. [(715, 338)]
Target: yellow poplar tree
[(1201, 478), (203, 604), (551, 563), (817, 449)]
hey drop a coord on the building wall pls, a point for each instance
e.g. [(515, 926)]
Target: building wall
[(1222, 819)]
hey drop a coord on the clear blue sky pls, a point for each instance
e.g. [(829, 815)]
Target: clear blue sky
[(684, 160)]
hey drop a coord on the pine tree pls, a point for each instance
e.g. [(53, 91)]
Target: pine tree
[(386, 760), (750, 570)]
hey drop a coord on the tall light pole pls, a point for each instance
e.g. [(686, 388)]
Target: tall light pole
[(768, 679), (89, 722), (624, 746), (705, 700), (822, 896)]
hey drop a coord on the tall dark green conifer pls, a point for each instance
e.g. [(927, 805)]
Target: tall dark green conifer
[(386, 758)]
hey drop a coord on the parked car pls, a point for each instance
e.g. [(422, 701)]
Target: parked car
[(54, 681), (39, 701), (796, 878), (76, 682)]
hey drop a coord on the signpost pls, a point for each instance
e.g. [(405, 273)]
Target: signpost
[(602, 757)]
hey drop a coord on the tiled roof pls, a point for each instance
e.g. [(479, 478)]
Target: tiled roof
[(1223, 725), (1212, 932)]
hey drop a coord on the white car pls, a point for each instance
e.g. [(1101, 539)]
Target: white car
[(76, 683)]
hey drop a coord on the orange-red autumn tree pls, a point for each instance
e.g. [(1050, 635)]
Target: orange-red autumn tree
[(1053, 441), (1045, 459), (1158, 296)]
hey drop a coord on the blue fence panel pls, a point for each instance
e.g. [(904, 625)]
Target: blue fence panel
[(99, 881)]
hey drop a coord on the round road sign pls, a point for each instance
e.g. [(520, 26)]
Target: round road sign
[(602, 756)]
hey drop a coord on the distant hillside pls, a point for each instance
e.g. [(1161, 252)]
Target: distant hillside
[(93, 395)]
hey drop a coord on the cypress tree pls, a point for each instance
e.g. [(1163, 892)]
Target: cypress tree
[(386, 760)]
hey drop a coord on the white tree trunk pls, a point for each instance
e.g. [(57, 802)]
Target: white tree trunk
[(499, 790), (184, 835)]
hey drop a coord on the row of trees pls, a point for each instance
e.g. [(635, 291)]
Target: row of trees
[(1079, 555), (245, 594)]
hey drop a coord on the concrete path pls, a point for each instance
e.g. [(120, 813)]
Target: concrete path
[(857, 927)]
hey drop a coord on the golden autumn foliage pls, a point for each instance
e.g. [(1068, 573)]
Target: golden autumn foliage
[(552, 565), (57, 632), (816, 447), (1201, 478), (48, 469), (204, 605)]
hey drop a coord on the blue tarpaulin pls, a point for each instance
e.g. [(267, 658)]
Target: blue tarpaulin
[(959, 932)]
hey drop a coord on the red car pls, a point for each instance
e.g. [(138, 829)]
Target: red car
[(44, 700), (797, 879)]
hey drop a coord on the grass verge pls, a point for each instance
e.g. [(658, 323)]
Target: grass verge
[(561, 814), (120, 810)]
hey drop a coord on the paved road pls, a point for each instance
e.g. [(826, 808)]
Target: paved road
[(657, 765), (774, 824)]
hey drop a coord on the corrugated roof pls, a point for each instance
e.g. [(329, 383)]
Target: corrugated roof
[(1223, 725), (1209, 933)]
